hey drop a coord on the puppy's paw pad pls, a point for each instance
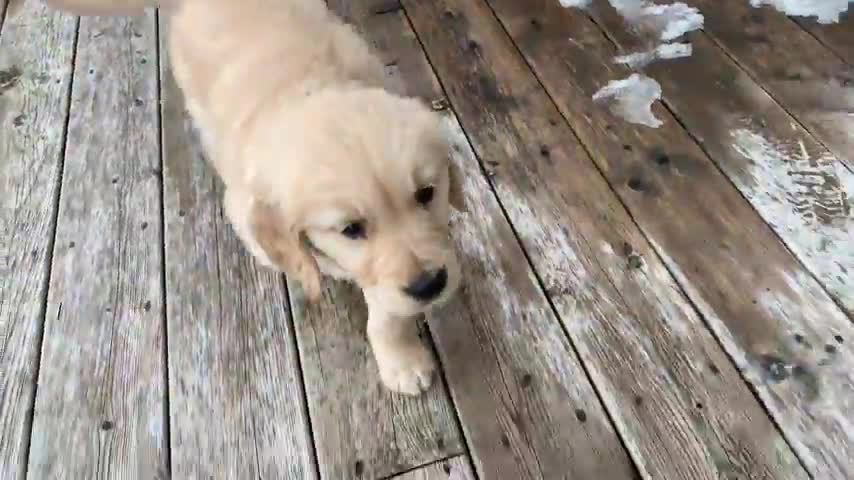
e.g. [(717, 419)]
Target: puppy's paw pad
[(409, 372)]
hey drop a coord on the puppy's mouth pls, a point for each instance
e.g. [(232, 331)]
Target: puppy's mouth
[(320, 253)]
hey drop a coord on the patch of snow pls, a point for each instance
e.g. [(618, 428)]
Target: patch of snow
[(826, 11), (807, 198), (673, 20), (664, 52), (574, 3), (669, 21), (632, 98)]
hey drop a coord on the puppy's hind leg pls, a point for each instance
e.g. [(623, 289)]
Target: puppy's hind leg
[(405, 364)]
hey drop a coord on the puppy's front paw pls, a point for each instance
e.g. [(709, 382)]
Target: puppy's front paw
[(408, 369)]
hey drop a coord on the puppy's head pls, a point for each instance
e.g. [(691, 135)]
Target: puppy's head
[(358, 184)]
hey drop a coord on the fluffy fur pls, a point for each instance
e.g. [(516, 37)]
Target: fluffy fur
[(326, 170)]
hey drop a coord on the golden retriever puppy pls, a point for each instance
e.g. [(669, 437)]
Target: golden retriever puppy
[(326, 170)]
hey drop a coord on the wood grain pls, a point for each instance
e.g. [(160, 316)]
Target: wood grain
[(795, 184), (523, 398), (456, 468), (236, 393), (798, 71), (731, 264), (648, 352), (99, 411), (838, 37), (36, 62)]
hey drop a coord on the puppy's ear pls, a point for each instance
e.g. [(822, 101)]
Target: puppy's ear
[(456, 197), (284, 246)]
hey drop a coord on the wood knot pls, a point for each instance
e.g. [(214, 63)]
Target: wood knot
[(106, 425), (774, 367), (544, 150), (636, 184), (9, 78)]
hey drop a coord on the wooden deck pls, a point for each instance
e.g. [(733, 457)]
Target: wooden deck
[(659, 303)]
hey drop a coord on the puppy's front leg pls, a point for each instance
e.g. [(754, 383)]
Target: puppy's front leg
[(405, 364)]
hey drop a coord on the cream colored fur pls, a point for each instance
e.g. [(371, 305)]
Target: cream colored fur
[(298, 120)]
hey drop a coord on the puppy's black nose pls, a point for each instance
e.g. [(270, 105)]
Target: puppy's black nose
[(428, 285)]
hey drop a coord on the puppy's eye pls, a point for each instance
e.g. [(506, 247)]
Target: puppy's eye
[(424, 195), (354, 230)]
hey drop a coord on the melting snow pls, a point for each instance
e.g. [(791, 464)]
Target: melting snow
[(827, 11), (632, 98), (574, 3), (664, 52)]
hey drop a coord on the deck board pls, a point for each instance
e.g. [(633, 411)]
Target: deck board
[(734, 265), (798, 71), (671, 302), (798, 187), (838, 37), (101, 409), (36, 55), (620, 305), (236, 393), (452, 469), (360, 428), (521, 393)]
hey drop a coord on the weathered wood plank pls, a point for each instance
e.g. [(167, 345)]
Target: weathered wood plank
[(837, 36), (100, 406), (724, 254), (362, 430), (660, 372), (236, 394), (795, 184), (798, 71), (456, 468), (523, 398), (36, 56)]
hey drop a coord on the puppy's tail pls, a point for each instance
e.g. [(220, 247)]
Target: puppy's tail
[(108, 7)]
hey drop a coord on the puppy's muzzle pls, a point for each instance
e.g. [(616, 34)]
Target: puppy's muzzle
[(428, 285)]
